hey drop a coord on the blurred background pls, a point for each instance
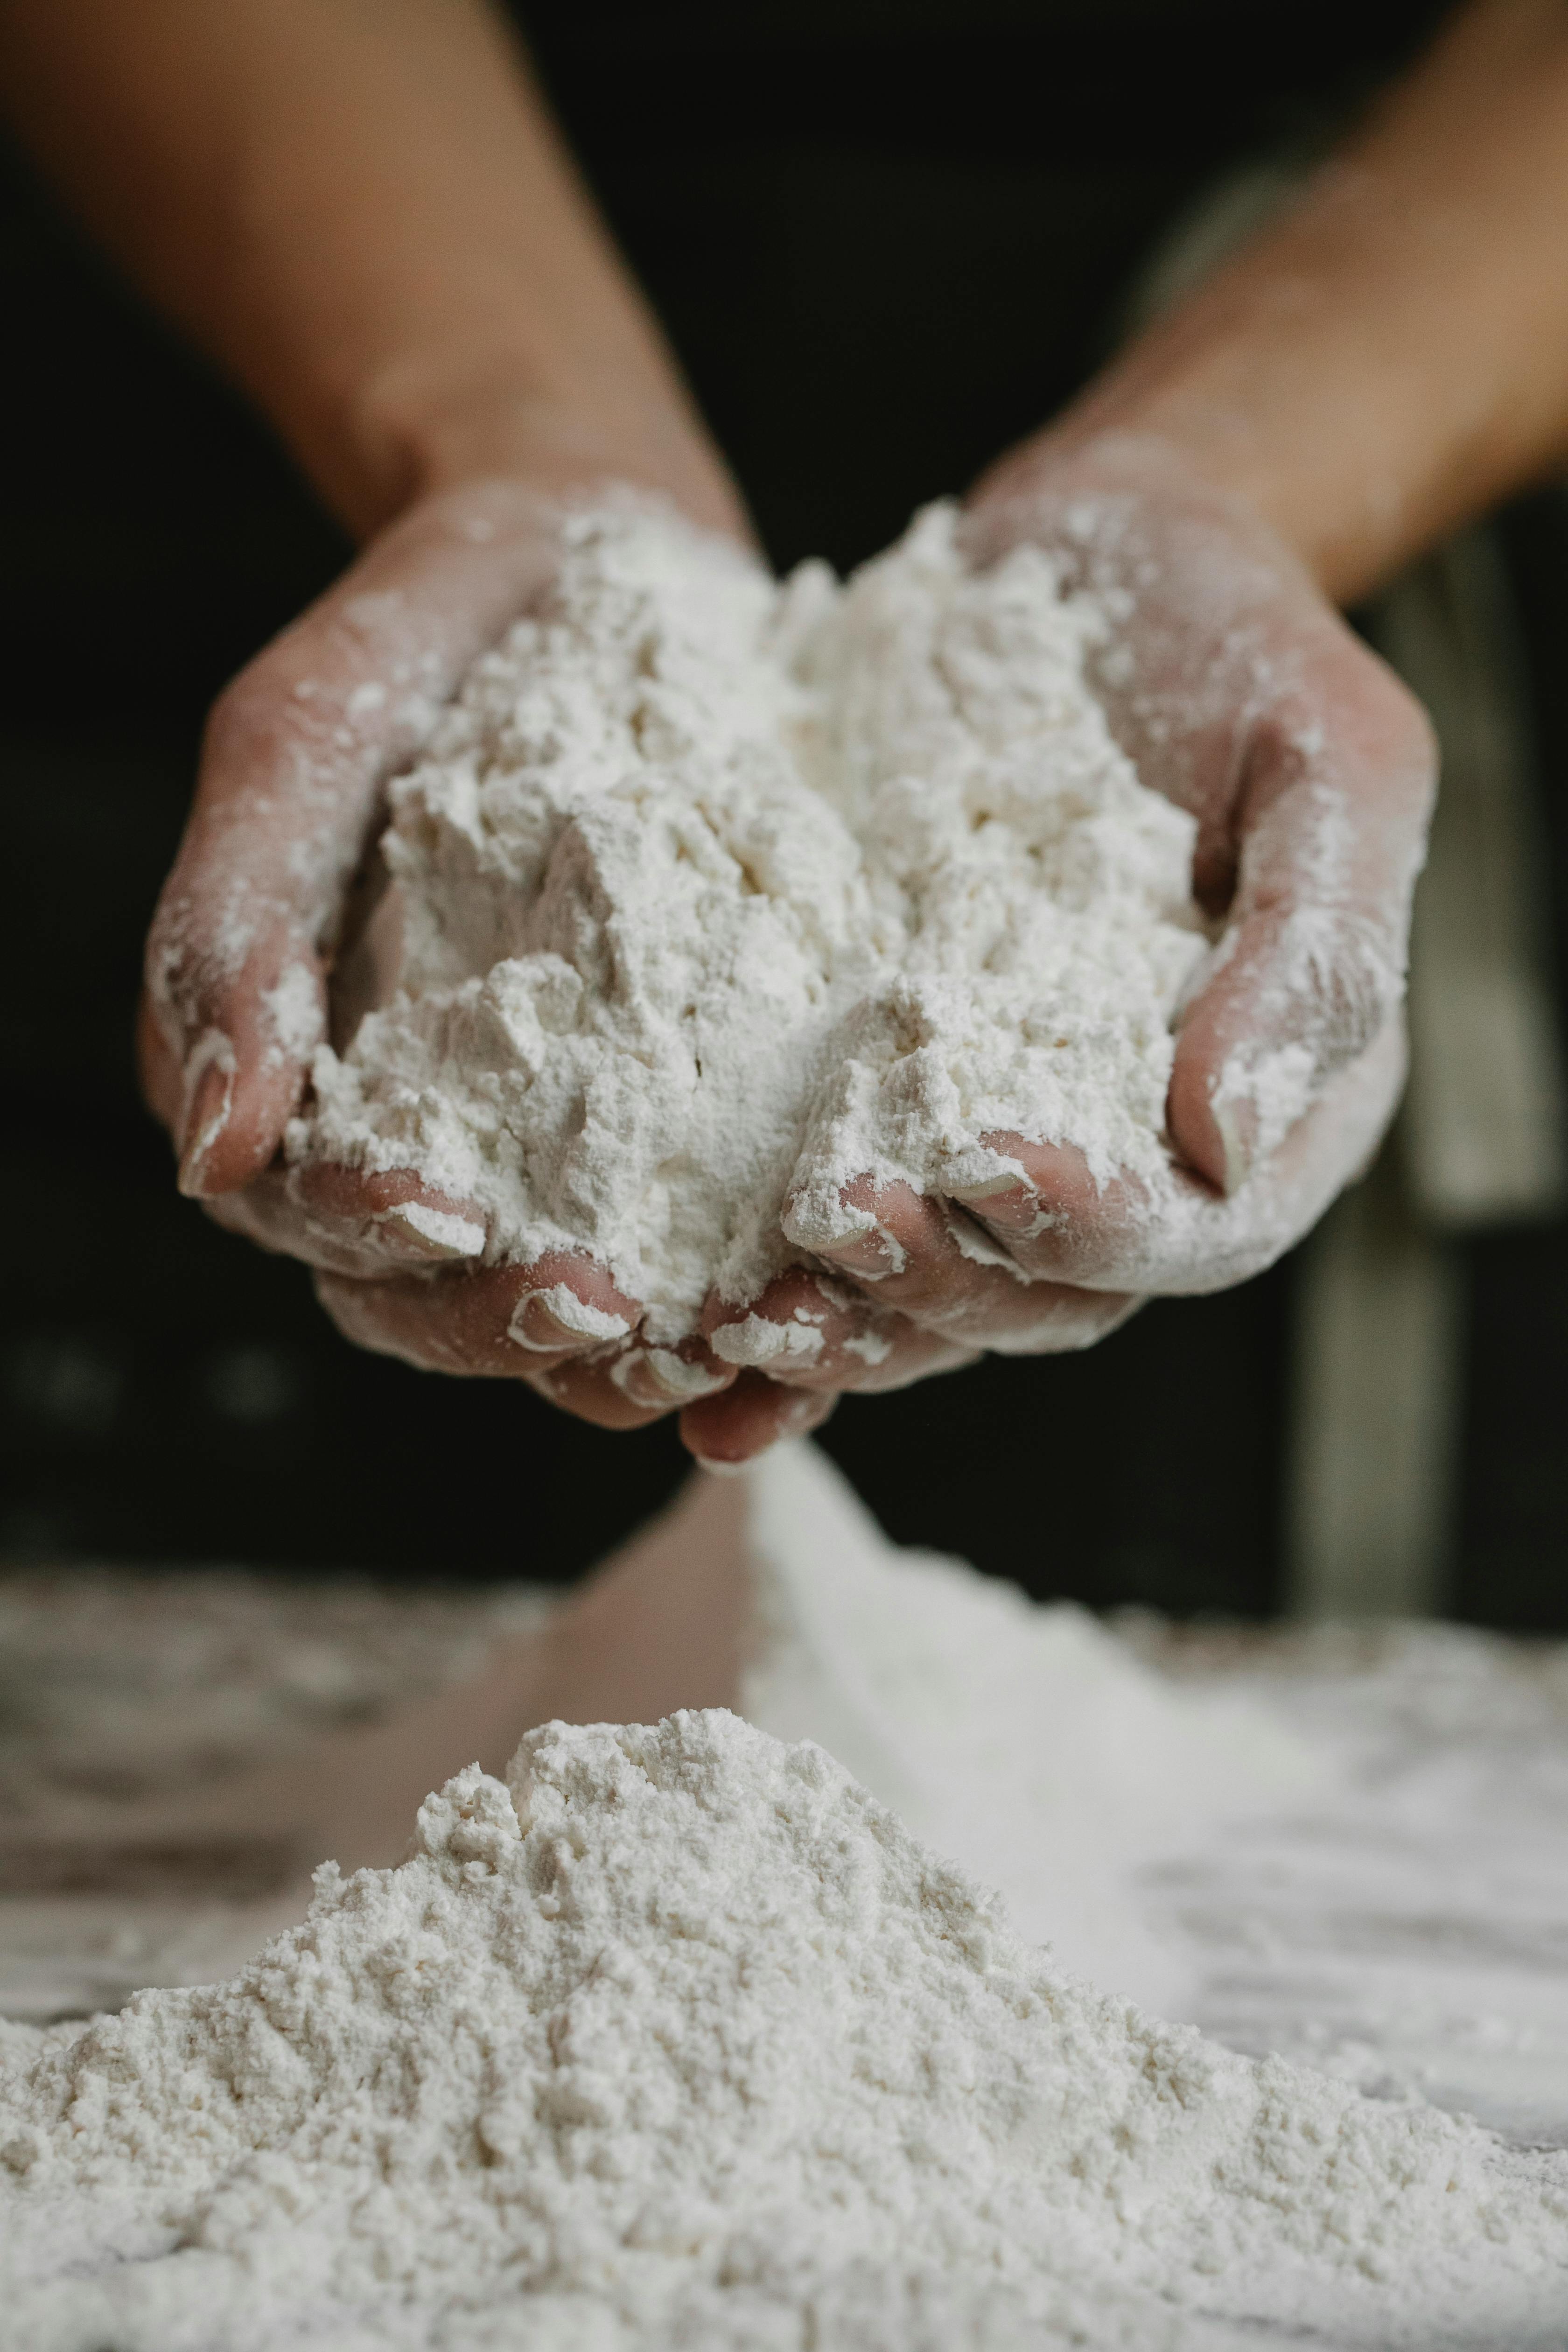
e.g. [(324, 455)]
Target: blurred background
[(886, 239)]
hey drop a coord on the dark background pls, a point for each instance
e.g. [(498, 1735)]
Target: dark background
[(886, 240)]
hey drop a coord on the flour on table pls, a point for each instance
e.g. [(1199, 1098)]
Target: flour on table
[(679, 2038), (717, 894)]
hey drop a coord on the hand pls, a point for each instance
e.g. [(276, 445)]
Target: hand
[(1239, 693), (247, 933), (1308, 768)]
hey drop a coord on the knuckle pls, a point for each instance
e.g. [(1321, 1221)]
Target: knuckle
[(162, 962), (1409, 749), (196, 948), (1349, 975), (269, 722), (241, 721)]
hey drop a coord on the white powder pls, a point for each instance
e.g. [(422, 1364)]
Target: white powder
[(1028, 1741), (293, 1006), (681, 2039), (717, 895)]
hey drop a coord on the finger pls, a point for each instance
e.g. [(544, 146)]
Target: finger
[(726, 1432), (664, 1379), (505, 1322), (296, 754), (1179, 1235), (1055, 1219), (1331, 822), (158, 1066), (808, 1332), (350, 1221), (588, 1388), (942, 1270), (439, 1332)]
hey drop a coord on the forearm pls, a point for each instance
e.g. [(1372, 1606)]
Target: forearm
[(1392, 357), (361, 209)]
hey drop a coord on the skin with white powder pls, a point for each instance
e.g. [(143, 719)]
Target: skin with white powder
[(716, 896)]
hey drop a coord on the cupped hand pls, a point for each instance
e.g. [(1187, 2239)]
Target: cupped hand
[(1238, 692), (266, 893), (254, 951), (1228, 680)]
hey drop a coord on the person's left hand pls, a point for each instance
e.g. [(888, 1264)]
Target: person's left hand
[(1238, 692)]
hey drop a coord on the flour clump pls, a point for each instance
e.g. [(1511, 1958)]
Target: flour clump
[(717, 894)]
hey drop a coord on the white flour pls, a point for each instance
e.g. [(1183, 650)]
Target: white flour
[(716, 896), (1028, 1741), (684, 2041)]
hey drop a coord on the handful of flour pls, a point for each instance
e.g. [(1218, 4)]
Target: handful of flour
[(717, 894)]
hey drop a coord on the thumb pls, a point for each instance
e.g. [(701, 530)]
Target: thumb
[(297, 753), (1331, 817)]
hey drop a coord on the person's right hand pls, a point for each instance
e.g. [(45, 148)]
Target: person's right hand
[(288, 802), (289, 805)]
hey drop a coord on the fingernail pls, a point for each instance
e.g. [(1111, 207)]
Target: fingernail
[(990, 1188), (756, 1341), (853, 1239), (1236, 1134), (801, 1412), (432, 1232), (548, 1321), (1235, 1113), (209, 1076), (971, 1240), (1256, 1101), (869, 1252), (658, 1376), (1004, 1203)]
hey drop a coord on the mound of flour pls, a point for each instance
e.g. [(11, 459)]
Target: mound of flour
[(679, 2038), (716, 894)]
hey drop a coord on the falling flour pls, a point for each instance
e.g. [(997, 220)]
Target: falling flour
[(716, 894)]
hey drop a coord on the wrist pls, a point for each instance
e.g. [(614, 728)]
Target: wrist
[(418, 429), (1332, 499), (1085, 457)]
